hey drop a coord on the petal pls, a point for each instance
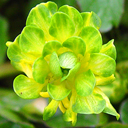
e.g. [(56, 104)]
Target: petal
[(32, 40), (76, 44), (67, 60), (92, 38), (50, 47), (102, 64), (74, 15), (40, 70), (58, 92), (55, 65), (85, 83), (26, 87), (61, 26), (92, 104), (109, 49), (91, 19)]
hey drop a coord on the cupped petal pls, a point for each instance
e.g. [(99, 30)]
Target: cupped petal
[(41, 17), (76, 44), (62, 27), (54, 65), (67, 60), (102, 64), (92, 38), (74, 15), (58, 92), (92, 104), (26, 87), (85, 83), (40, 70), (91, 19), (50, 47), (32, 40), (109, 49)]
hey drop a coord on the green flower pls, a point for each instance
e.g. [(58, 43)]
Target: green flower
[(61, 53)]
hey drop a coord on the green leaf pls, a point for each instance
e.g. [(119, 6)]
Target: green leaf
[(54, 65), (124, 112), (109, 49), (109, 109), (50, 47), (41, 17), (85, 83), (50, 110), (58, 91), (3, 38), (32, 40), (67, 60), (74, 15), (62, 27), (115, 125), (102, 64), (91, 19), (92, 104), (72, 72), (40, 70), (76, 44), (92, 38), (110, 16), (26, 87)]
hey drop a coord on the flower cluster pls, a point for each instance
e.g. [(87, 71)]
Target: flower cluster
[(61, 53)]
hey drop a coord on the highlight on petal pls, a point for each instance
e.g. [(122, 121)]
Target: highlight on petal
[(67, 60), (50, 110), (32, 40), (85, 83), (76, 44), (54, 65), (92, 104), (92, 38), (61, 26), (74, 15), (58, 92), (91, 19), (109, 109), (26, 87), (40, 70), (50, 47), (102, 64), (109, 49)]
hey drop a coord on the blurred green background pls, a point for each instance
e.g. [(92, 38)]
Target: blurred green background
[(19, 113)]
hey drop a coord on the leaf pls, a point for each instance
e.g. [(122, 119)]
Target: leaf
[(58, 91), (124, 111), (40, 70), (41, 17), (110, 16), (67, 60), (32, 40), (91, 19), (92, 104), (102, 64), (85, 83), (109, 49), (50, 47), (115, 125), (3, 38), (92, 39), (55, 65), (76, 44), (26, 87), (61, 26), (74, 15)]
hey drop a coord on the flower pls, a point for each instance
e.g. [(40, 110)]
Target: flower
[(61, 53)]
